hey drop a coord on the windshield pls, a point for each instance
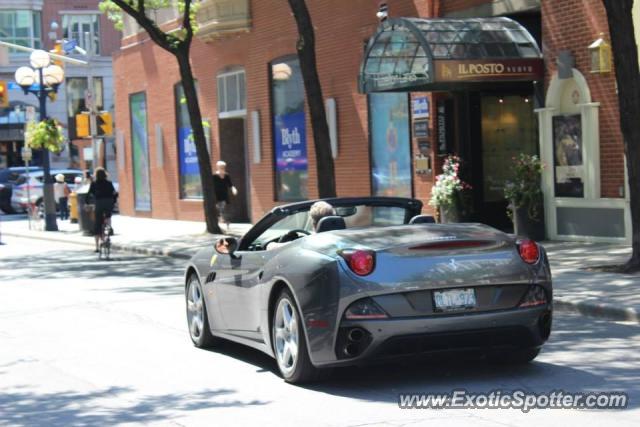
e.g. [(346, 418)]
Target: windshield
[(354, 217)]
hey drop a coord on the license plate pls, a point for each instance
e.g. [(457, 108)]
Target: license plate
[(454, 299)]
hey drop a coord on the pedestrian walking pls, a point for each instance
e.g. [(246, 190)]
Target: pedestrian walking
[(224, 189), (61, 192), (87, 179)]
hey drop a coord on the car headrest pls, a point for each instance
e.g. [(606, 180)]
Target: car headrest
[(330, 223), (422, 219)]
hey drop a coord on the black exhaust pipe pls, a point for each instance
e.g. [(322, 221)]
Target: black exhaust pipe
[(355, 335)]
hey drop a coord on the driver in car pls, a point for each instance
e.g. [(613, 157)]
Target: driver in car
[(317, 211)]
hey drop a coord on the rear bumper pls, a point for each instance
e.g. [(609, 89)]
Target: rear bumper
[(383, 339)]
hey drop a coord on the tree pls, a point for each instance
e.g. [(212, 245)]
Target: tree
[(306, 48), (625, 58), (177, 43)]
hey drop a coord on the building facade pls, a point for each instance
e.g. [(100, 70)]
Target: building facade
[(43, 24), (541, 96)]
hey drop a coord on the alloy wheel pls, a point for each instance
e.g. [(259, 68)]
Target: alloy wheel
[(286, 336), (195, 312)]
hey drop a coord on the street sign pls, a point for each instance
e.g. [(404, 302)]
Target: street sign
[(30, 113), (26, 154), (105, 124), (88, 100), (69, 45)]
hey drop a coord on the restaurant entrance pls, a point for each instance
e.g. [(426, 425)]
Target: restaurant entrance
[(501, 126)]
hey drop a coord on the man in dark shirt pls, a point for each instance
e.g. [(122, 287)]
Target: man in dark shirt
[(222, 186)]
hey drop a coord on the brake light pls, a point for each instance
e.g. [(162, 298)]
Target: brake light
[(529, 251), (360, 261)]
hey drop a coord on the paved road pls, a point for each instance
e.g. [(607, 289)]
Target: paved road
[(84, 342)]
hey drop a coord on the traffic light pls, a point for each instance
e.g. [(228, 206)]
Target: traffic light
[(4, 94), (57, 49), (82, 125), (105, 124)]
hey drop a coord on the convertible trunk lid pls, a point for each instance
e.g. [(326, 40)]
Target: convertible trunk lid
[(434, 256)]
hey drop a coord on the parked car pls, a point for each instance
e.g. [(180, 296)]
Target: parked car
[(8, 178), (19, 198), (377, 280)]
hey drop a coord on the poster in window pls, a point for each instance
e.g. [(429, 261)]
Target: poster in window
[(568, 156), (140, 152), (390, 145)]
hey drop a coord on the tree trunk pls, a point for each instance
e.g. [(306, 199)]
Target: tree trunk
[(204, 161), (625, 56), (321, 139)]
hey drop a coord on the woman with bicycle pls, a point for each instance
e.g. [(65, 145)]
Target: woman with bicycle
[(105, 196)]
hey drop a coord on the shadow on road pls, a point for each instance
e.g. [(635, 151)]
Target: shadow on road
[(580, 357), (83, 263), (22, 408)]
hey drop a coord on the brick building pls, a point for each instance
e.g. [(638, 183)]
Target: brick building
[(389, 143), (40, 24)]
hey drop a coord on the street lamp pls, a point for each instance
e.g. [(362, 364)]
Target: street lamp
[(41, 79)]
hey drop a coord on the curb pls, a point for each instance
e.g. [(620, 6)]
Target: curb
[(117, 246), (564, 305), (595, 310)]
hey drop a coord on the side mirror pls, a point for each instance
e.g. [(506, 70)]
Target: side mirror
[(227, 245)]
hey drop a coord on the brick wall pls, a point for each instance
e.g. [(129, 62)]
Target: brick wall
[(109, 37), (573, 25), (342, 28), (341, 31)]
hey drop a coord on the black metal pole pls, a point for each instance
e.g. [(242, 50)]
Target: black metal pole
[(50, 223)]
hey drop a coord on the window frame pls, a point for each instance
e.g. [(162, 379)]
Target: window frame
[(67, 33), (222, 94), (35, 30)]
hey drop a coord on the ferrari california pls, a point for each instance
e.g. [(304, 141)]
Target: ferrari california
[(373, 281)]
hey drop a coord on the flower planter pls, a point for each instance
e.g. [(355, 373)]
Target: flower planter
[(525, 226), (450, 213)]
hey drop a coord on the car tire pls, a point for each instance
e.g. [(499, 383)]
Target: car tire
[(294, 364), (197, 319), (7, 210), (518, 356)]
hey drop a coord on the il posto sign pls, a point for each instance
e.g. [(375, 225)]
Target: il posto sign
[(489, 70)]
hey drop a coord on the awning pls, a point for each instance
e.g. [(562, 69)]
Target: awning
[(413, 54)]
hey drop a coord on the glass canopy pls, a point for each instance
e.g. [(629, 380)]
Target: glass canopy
[(427, 54)]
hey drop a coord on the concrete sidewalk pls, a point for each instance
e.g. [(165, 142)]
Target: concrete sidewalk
[(578, 287), (178, 239)]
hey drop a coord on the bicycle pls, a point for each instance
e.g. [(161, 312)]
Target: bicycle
[(35, 212), (104, 246)]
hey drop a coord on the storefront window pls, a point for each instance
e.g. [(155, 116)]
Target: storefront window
[(76, 27), (390, 145), (190, 183), (21, 27), (140, 151), (76, 89), (289, 131)]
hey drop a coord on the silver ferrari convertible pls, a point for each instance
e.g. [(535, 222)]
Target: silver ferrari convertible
[(374, 280)]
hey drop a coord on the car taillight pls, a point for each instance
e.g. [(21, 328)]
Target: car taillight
[(360, 261), (529, 251), (534, 296), (365, 308)]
